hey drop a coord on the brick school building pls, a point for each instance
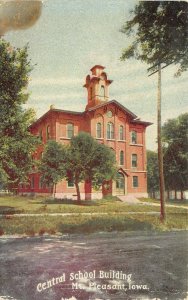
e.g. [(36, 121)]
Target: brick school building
[(110, 123)]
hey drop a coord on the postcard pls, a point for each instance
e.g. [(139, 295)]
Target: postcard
[(93, 150)]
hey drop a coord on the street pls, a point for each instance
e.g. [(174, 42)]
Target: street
[(117, 265)]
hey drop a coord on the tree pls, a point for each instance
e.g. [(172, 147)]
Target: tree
[(16, 142), (89, 160), (152, 172), (160, 33), (52, 165), (174, 134), (160, 37)]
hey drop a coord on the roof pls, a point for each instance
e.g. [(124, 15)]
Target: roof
[(118, 104), (97, 66), (134, 117), (55, 110)]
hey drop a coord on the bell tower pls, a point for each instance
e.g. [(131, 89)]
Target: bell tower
[(97, 86)]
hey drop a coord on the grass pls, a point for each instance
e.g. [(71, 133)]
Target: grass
[(89, 224), (178, 202), (19, 204), (117, 216)]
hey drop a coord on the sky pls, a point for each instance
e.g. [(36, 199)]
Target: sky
[(71, 36)]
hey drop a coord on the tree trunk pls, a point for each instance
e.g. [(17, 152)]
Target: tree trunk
[(160, 151), (78, 192), (181, 195), (54, 190)]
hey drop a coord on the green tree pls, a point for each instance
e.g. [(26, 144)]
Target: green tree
[(152, 172), (175, 139), (160, 38), (16, 142), (89, 160), (160, 33), (52, 165)]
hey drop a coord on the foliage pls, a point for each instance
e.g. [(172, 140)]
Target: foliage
[(175, 141), (52, 166), (89, 160), (16, 142), (160, 33), (152, 172)]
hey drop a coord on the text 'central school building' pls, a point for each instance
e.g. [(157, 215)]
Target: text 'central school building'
[(109, 123)]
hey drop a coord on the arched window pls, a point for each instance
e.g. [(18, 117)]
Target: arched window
[(134, 160), (102, 91), (133, 137), (110, 131), (121, 132), (48, 132), (121, 158), (99, 130), (70, 130)]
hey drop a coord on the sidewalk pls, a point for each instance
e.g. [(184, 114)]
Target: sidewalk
[(129, 199), (79, 214)]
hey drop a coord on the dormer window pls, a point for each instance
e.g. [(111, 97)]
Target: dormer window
[(70, 130)]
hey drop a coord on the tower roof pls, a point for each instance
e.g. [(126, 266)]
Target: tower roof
[(97, 67)]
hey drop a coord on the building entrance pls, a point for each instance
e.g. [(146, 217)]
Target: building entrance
[(120, 184)]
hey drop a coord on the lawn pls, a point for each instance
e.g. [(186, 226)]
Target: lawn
[(19, 204), (117, 217), (178, 202)]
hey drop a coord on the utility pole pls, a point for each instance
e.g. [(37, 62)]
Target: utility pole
[(160, 150)]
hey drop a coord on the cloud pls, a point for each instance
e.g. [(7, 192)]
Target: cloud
[(56, 81), (18, 14), (63, 96)]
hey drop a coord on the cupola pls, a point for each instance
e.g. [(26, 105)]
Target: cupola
[(97, 85)]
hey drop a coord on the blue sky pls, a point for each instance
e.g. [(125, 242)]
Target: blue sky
[(69, 38)]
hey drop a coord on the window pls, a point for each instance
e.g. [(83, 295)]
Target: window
[(135, 181), (121, 158), (99, 130), (70, 130), (70, 183), (110, 131), (121, 132), (133, 137), (102, 91), (32, 182), (134, 160), (40, 135), (48, 132), (41, 185)]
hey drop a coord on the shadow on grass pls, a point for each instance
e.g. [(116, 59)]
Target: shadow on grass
[(68, 201), (106, 224), (9, 210)]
